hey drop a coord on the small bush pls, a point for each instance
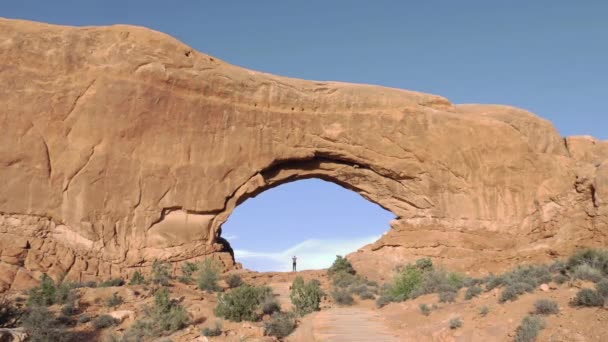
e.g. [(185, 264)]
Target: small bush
[(44, 294), (41, 325), (447, 297), (305, 297), (514, 290), (234, 280), (344, 280), (588, 298), (424, 264), (112, 282), (188, 269), (137, 279), (341, 265), (383, 300), (472, 292), (455, 323), (160, 273), (114, 301), (84, 318), (424, 309), (587, 272), (104, 321), (602, 288), (9, 313), (561, 279), (280, 325), (595, 258), (342, 297), (208, 276), (165, 317), (69, 309), (484, 311), (529, 329), (367, 295), (546, 307), (212, 332), (269, 304), (240, 304), (406, 283)]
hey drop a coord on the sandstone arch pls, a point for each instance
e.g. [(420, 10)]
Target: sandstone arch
[(123, 145)]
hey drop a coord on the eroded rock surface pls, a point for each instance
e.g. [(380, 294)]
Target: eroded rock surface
[(122, 145)]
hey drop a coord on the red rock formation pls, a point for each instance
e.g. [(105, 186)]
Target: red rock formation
[(122, 145)]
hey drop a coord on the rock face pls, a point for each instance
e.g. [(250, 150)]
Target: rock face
[(122, 145)]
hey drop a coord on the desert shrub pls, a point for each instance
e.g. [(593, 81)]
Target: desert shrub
[(41, 325), (589, 298), (212, 332), (234, 280), (561, 279), (472, 292), (367, 295), (404, 284), (188, 269), (559, 266), (104, 321), (519, 281), (342, 297), (240, 304), (447, 297), (165, 317), (115, 282), (424, 264), (90, 284), (529, 329), (269, 304), (455, 323), (484, 311), (341, 265), (595, 258), (43, 294), (513, 291), (344, 280), (114, 300), (587, 272), (305, 296), (208, 276), (280, 325), (9, 313), (160, 273), (383, 300), (358, 288), (424, 309), (84, 318), (546, 307), (69, 309), (602, 288), (137, 279)]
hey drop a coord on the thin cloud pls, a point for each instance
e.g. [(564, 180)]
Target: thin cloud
[(312, 254), (231, 237)]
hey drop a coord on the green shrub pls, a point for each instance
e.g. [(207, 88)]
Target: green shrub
[(208, 276), (44, 294), (41, 325), (137, 279), (595, 258), (342, 297), (234, 280), (514, 290), (561, 279), (344, 280), (383, 300), (114, 301), (90, 284), (455, 323), (472, 292), (84, 318), (165, 317), (161, 273), (305, 297), (602, 288), (112, 282), (484, 311), (367, 295), (9, 313), (447, 297), (69, 309), (587, 272), (424, 264), (424, 309), (546, 307), (280, 325), (529, 329), (269, 304), (240, 304), (212, 332), (406, 282), (104, 321), (188, 269), (341, 265), (588, 298)]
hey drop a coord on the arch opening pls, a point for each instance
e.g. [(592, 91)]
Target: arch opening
[(313, 219)]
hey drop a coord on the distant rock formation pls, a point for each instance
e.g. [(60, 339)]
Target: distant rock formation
[(121, 145)]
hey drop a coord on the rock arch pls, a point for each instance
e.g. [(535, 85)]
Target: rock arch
[(123, 146)]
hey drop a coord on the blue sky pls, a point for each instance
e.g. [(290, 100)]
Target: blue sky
[(545, 56)]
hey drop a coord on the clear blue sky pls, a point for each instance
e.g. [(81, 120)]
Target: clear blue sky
[(549, 57)]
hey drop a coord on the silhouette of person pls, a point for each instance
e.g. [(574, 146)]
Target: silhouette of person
[(294, 259)]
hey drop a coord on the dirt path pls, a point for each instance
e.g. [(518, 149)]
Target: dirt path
[(350, 324)]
